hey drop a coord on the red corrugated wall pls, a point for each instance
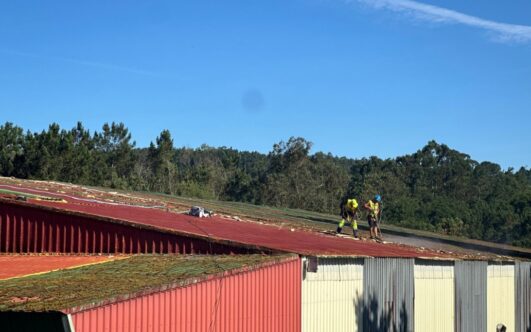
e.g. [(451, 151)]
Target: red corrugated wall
[(27, 229), (264, 299)]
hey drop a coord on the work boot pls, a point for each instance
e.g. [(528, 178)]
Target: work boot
[(338, 230)]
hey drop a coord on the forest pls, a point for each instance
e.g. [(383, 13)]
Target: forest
[(435, 188)]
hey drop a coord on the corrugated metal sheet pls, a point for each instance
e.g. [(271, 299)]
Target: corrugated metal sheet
[(24, 229), (500, 296), (265, 299), (434, 296), (388, 295), (223, 229), (523, 296), (470, 296), (332, 295)]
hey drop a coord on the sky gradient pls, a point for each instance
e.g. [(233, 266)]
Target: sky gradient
[(356, 77)]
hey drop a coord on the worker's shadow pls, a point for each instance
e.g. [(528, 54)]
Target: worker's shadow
[(375, 317)]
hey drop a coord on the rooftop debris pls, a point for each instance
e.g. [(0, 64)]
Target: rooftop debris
[(198, 211)]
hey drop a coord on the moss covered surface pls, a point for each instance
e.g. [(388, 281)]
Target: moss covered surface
[(87, 285)]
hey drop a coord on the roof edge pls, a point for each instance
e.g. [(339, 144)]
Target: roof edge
[(284, 258)]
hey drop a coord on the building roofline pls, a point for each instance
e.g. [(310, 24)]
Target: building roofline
[(138, 225)]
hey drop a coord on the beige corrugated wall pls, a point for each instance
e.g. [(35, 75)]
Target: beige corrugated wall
[(330, 296), (500, 297), (434, 297)]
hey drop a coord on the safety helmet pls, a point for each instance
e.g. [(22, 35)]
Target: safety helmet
[(354, 203), (378, 198)]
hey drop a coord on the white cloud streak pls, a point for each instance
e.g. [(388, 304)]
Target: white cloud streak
[(502, 31), (86, 63)]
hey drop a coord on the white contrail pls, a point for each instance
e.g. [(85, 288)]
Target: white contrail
[(87, 63), (422, 11)]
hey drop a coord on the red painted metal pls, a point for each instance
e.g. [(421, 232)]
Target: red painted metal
[(263, 299), (16, 266), (252, 234), (29, 229)]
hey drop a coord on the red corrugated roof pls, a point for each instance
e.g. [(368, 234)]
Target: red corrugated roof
[(297, 241), (17, 266)]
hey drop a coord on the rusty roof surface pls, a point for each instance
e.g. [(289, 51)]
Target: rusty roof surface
[(218, 228), (12, 266)]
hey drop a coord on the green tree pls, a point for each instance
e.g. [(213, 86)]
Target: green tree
[(11, 147), (115, 148), (162, 166)]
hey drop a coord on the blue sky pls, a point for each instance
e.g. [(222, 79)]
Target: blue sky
[(357, 78)]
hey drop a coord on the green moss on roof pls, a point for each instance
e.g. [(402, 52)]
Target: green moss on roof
[(92, 284)]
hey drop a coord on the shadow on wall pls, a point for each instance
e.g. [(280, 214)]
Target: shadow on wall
[(373, 318)]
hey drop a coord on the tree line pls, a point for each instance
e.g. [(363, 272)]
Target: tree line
[(436, 188)]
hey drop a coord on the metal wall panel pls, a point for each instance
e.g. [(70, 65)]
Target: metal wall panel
[(470, 296), (500, 296), (523, 296), (388, 295), (332, 295), (265, 299), (434, 296), (32, 230)]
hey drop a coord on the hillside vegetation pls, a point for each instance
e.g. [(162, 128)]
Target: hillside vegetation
[(436, 188)]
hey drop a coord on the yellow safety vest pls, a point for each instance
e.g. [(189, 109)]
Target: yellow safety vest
[(352, 205), (374, 208)]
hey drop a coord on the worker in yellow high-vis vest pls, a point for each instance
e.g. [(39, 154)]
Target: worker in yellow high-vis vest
[(373, 217), (349, 213)]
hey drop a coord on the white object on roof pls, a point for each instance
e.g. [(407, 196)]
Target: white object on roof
[(200, 212)]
